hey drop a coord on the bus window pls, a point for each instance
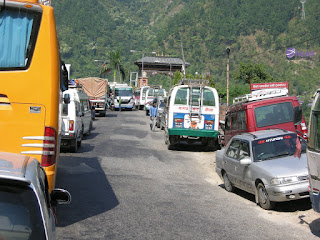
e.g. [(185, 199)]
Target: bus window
[(18, 31), (181, 96), (208, 98)]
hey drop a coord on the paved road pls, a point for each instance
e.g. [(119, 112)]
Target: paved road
[(125, 184)]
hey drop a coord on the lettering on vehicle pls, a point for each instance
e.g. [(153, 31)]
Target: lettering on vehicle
[(183, 108), (270, 140), (209, 109)]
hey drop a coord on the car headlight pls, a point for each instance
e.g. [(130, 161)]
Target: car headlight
[(285, 180)]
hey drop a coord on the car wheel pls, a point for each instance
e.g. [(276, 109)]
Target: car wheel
[(79, 140), (263, 197), (227, 184)]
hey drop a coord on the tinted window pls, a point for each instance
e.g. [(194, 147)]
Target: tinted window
[(208, 98), (234, 121), (124, 92), (18, 31), (274, 147), (20, 216), (227, 123), (242, 120), (65, 109), (181, 96), (274, 114)]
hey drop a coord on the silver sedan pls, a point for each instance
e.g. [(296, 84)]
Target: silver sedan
[(271, 164)]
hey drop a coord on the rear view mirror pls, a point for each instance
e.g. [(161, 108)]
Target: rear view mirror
[(66, 98), (60, 196), (297, 115), (245, 161)]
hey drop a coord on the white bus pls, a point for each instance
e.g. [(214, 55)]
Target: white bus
[(125, 92), (313, 152), (192, 114)]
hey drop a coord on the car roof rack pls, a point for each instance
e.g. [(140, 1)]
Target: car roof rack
[(275, 128), (261, 94), (249, 133), (194, 82)]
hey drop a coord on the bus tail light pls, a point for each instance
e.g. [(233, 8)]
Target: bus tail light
[(71, 125), (49, 147), (178, 122), (304, 129), (208, 124)]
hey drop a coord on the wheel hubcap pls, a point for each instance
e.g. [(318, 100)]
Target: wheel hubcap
[(263, 196)]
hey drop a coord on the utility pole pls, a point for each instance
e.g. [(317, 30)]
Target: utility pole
[(184, 62), (228, 53), (303, 15)]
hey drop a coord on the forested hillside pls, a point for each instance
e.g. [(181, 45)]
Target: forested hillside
[(257, 31)]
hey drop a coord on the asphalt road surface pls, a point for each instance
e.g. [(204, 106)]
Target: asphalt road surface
[(125, 184)]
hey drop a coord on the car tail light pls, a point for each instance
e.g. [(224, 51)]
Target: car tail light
[(49, 147), (71, 125)]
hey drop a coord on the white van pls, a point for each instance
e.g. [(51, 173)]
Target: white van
[(77, 119), (151, 95), (192, 114), (125, 92), (140, 97)]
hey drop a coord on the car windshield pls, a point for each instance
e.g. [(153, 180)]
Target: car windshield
[(275, 147), (20, 216)]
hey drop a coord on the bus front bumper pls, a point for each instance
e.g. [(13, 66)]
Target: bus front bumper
[(193, 132)]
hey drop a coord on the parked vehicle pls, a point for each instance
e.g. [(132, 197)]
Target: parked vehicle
[(26, 204), (192, 114), (31, 83), (264, 109), (123, 91), (140, 97), (77, 119), (151, 95), (161, 106), (267, 164), (97, 89), (313, 152)]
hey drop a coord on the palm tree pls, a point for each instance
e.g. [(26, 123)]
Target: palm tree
[(115, 63)]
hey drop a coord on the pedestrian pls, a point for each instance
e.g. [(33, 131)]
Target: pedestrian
[(153, 112), (120, 101)]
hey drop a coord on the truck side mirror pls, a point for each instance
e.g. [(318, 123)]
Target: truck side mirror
[(297, 115), (66, 98)]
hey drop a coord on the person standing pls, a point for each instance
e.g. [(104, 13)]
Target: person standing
[(120, 101), (153, 112)]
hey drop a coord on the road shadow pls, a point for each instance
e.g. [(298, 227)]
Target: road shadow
[(111, 115), (194, 147), (90, 189), (289, 206), (314, 225), (91, 136)]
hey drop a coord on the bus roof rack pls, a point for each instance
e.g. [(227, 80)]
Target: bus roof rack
[(261, 94), (193, 82)]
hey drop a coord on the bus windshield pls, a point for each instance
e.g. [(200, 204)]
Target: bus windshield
[(124, 92), (18, 31)]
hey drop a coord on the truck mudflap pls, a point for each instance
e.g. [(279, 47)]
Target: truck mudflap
[(193, 132)]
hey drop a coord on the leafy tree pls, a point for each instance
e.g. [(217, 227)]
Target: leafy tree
[(250, 72)]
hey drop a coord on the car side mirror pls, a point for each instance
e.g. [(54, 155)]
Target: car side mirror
[(297, 115), (245, 161), (66, 98), (60, 196)]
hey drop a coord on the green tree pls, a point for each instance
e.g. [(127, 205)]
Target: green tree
[(250, 72), (115, 63)]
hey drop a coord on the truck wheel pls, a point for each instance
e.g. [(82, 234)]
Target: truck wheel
[(263, 197)]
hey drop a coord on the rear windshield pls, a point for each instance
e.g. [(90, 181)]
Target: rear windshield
[(20, 216), (274, 114), (275, 147), (18, 31), (181, 96)]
